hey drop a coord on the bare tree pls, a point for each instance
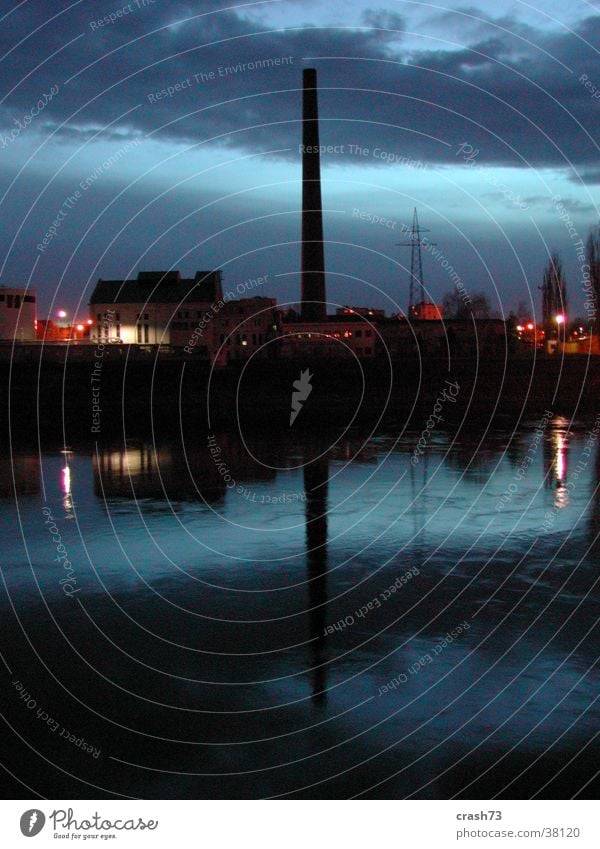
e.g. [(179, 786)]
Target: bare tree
[(554, 290), (593, 260)]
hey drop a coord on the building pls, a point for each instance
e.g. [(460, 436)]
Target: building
[(455, 337), (334, 338), (17, 314), (427, 311), (158, 308), (244, 328), (365, 312)]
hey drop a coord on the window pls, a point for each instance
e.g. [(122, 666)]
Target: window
[(17, 301), (1, 297), (145, 316), (118, 331), (117, 316), (368, 333), (98, 331), (9, 300), (222, 338), (238, 338), (254, 338), (29, 299), (99, 317), (139, 333), (358, 334), (146, 333)]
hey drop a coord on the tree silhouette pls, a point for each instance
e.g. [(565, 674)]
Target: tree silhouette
[(554, 290)]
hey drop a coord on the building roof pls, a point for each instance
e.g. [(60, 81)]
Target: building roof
[(159, 287)]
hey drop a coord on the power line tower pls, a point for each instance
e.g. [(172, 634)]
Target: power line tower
[(416, 261)]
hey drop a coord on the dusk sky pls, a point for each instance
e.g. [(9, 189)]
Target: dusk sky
[(478, 114)]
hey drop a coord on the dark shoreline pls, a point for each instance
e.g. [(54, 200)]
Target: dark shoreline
[(165, 397)]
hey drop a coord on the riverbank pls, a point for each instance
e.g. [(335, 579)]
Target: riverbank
[(78, 400)]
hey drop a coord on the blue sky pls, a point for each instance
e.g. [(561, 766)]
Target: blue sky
[(477, 116)]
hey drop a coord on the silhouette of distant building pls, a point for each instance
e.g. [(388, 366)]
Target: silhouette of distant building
[(158, 308), (17, 314)]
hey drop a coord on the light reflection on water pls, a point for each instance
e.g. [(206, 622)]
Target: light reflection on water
[(218, 591)]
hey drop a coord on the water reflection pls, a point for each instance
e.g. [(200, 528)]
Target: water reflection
[(166, 474), (523, 578), (19, 474), (316, 483), (68, 505)]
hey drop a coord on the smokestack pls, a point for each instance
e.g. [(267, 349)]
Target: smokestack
[(313, 260)]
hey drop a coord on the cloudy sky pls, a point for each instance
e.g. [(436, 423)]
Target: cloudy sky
[(134, 136)]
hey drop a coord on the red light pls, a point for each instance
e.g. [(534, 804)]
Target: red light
[(89, 321), (530, 326), (80, 327)]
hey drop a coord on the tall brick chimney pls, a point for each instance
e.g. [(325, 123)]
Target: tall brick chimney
[(313, 260)]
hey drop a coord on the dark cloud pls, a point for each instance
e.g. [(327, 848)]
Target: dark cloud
[(513, 92)]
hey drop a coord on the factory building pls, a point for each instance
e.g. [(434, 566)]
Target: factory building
[(17, 314), (158, 308)]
